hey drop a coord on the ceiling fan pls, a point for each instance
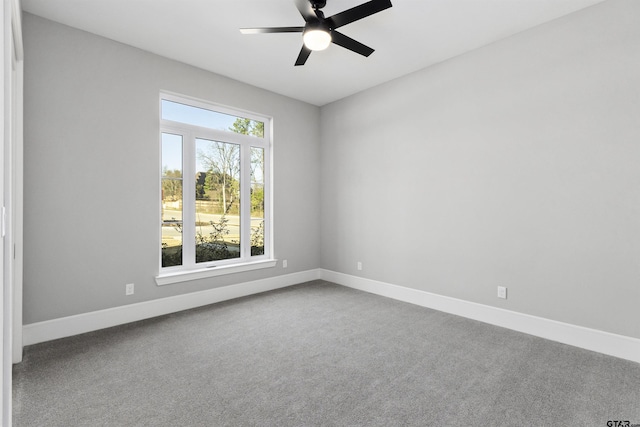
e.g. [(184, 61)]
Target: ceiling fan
[(319, 32)]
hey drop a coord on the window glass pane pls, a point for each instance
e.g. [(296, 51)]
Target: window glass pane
[(171, 200), (211, 119), (171, 155), (257, 201), (217, 200)]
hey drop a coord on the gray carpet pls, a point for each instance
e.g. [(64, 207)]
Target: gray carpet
[(319, 354)]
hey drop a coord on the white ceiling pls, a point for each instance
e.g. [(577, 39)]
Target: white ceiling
[(412, 35)]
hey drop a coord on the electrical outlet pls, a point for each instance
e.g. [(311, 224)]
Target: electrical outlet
[(359, 265), (502, 292), (128, 289), (284, 263)]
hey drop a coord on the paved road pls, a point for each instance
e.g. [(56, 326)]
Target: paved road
[(233, 225)]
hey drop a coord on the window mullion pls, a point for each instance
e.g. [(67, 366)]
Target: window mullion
[(268, 178), (189, 201), (245, 201)]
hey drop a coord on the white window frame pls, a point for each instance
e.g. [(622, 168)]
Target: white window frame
[(189, 270)]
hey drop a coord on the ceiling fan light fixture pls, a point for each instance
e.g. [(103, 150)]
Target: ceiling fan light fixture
[(317, 39)]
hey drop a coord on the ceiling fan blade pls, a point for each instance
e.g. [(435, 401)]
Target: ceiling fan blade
[(271, 30), (351, 44), (358, 12), (306, 10), (304, 54)]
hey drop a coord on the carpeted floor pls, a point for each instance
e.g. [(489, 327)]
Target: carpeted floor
[(319, 354)]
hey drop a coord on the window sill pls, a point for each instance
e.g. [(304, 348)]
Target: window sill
[(203, 273)]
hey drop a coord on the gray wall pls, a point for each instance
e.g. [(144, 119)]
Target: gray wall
[(514, 165), (92, 166)]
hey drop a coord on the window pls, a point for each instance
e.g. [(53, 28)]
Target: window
[(215, 190)]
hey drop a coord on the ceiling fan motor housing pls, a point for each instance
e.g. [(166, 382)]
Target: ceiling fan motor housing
[(318, 25)]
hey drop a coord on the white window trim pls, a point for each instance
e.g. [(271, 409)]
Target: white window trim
[(203, 273), (176, 274)]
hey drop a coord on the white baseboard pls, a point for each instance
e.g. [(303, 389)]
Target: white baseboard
[(73, 325), (591, 339)]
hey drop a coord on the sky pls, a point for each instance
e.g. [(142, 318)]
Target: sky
[(196, 116)]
